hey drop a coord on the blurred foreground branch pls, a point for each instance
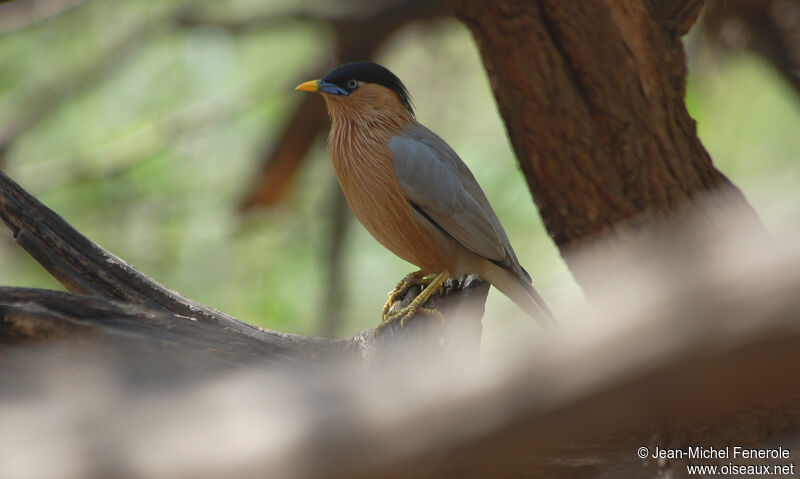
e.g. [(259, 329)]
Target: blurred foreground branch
[(695, 345)]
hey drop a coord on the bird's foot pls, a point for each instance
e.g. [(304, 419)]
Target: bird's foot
[(433, 284), (410, 280)]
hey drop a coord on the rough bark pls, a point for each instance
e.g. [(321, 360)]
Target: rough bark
[(592, 95)]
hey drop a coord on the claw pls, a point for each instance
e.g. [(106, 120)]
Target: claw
[(402, 287), (433, 284)]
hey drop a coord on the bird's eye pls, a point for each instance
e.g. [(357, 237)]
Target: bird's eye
[(352, 84)]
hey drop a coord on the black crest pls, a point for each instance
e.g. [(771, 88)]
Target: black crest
[(369, 72)]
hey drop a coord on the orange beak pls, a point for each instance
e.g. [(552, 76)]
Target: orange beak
[(312, 86)]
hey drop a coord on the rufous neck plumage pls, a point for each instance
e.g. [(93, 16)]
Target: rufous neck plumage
[(371, 108)]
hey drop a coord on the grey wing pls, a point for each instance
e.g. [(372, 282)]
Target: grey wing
[(435, 180)]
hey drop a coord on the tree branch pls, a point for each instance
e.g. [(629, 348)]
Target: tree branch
[(34, 316), (678, 14), (86, 268)]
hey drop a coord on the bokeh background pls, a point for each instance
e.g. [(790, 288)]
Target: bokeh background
[(145, 131)]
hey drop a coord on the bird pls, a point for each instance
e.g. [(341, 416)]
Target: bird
[(413, 193)]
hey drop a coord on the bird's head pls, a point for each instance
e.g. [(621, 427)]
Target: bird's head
[(362, 89)]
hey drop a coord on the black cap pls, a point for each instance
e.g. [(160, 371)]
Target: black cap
[(369, 72)]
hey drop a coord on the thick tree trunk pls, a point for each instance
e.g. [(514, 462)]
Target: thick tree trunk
[(592, 95)]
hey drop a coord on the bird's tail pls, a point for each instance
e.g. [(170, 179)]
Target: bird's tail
[(519, 289)]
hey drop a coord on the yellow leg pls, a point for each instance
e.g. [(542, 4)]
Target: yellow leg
[(402, 314)]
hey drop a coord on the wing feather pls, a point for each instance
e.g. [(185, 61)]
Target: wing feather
[(436, 180)]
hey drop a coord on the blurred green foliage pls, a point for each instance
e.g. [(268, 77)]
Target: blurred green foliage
[(150, 156)]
